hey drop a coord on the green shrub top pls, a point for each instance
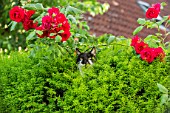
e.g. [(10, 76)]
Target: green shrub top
[(118, 81)]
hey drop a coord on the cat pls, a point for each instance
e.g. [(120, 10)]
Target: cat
[(86, 57)]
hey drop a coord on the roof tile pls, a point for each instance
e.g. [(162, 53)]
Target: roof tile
[(121, 18)]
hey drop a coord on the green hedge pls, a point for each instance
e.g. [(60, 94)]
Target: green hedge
[(119, 81), (33, 85)]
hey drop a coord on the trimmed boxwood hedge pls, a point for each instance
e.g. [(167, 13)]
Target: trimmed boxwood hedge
[(119, 81)]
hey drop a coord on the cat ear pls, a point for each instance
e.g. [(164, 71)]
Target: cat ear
[(93, 51), (77, 51)]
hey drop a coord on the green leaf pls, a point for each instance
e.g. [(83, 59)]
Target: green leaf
[(86, 27), (167, 43), (141, 21), (163, 4), (32, 53), (168, 21), (31, 45), (105, 7), (10, 23), (165, 17), (9, 46), (31, 36), (65, 43), (111, 39), (58, 38), (58, 52), (73, 10), (61, 31), (62, 10), (72, 19), (162, 88), (164, 99), (154, 25), (39, 18), (29, 6), (39, 32), (137, 30), (150, 37), (160, 22), (158, 34), (13, 25), (168, 99), (39, 6), (59, 25), (77, 35), (63, 51), (53, 34)]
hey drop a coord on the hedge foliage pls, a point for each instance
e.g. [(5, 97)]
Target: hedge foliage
[(119, 81)]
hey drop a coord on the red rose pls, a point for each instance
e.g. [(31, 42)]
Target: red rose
[(53, 10), (140, 46), (46, 22), (28, 24), (16, 14), (135, 40), (147, 54), (65, 36), (159, 53), (54, 24), (61, 18), (29, 13), (152, 13), (65, 25)]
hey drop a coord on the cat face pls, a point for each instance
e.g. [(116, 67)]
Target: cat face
[(86, 57)]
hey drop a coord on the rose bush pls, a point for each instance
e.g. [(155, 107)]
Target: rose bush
[(54, 27), (154, 46), (53, 24), (10, 40)]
